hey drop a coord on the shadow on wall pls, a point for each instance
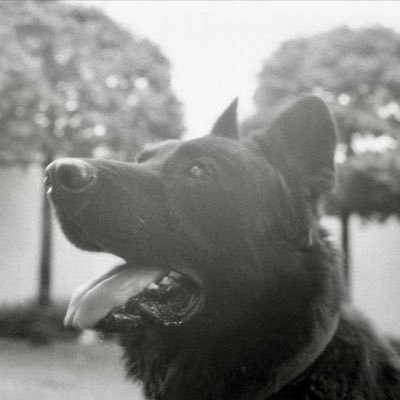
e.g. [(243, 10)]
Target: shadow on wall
[(375, 255)]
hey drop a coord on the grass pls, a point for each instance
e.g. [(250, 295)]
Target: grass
[(63, 371)]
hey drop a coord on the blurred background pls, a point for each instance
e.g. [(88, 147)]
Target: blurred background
[(103, 79)]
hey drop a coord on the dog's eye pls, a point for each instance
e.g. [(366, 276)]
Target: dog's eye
[(196, 171), (144, 156)]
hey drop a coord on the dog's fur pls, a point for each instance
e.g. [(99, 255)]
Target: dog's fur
[(240, 217)]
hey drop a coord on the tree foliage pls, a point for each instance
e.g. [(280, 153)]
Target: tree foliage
[(357, 73), (72, 82)]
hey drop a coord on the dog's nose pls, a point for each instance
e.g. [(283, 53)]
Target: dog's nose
[(72, 174)]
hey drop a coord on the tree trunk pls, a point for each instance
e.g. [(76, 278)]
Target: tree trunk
[(50, 69), (46, 249), (344, 219)]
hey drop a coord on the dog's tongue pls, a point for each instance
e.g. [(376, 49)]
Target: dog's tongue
[(91, 302)]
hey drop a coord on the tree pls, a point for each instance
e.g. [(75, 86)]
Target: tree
[(356, 73), (72, 82)]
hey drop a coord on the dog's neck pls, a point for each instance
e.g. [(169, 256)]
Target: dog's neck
[(287, 372), (196, 375), (174, 366)]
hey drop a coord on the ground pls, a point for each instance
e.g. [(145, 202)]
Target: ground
[(63, 371)]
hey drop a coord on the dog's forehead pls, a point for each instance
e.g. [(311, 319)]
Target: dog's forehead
[(208, 146), (159, 151), (211, 146)]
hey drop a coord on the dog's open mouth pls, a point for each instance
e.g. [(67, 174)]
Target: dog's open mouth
[(127, 297)]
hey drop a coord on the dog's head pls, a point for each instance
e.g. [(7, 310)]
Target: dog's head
[(218, 233)]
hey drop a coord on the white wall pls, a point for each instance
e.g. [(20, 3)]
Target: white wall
[(375, 269)]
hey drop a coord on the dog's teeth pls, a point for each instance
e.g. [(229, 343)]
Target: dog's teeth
[(153, 286), (174, 275), (166, 280)]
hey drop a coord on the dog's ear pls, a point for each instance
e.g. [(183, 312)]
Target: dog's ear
[(226, 124), (300, 143)]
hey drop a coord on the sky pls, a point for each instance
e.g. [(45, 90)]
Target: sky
[(216, 48)]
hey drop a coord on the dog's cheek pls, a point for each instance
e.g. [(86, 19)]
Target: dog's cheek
[(205, 217)]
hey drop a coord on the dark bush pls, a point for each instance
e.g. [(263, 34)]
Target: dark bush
[(40, 325), (369, 186)]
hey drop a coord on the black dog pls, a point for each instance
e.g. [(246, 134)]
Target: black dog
[(231, 289)]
